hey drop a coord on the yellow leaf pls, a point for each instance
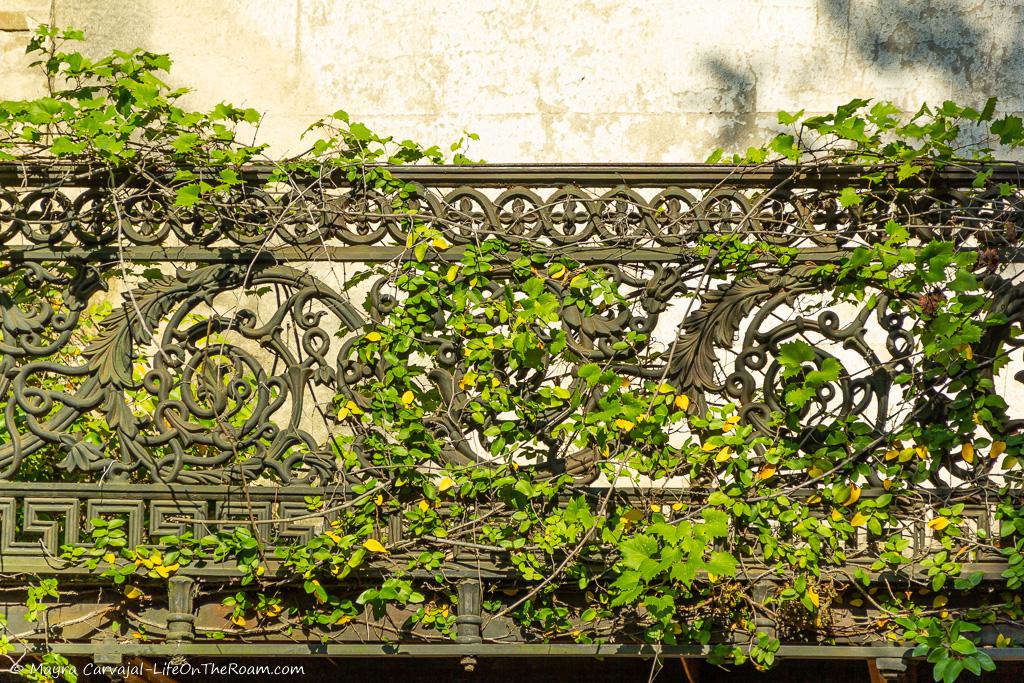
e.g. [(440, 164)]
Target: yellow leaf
[(343, 620), (836, 515), (815, 471), (110, 558), (859, 519), (811, 500), (408, 397), (374, 546), (238, 620), (439, 243), (730, 423), (633, 516), (453, 272), (682, 402), (813, 596), (424, 506), (967, 453), (624, 425), (892, 455), (922, 452), (708, 447), (558, 272), (856, 602), (132, 592), (373, 336), (887, 484), (939, 523), (998, 447), (379, 500), (854, 495), (968, 352), (166, 571), (272, 610), (723, 454), (767, 472), (655, 507), (445, 484), (940, 601), (677, 506), (333, 536)]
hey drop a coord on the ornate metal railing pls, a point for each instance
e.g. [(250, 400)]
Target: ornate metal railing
[(224, 333)]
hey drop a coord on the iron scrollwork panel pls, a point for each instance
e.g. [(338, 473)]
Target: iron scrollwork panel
[(191, 387), (225, 369)]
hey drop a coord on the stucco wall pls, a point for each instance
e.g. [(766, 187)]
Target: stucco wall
[(555, 80)]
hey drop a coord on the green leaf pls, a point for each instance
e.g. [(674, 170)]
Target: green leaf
[(420, 251), (1010, 130), (989, 110), (63, 146), (187, 195), (715, 157), (637, 549), (848, 197), (787, 119), (798, 398), (785, 145), (722, 564), (795, 353), (589, 373), (907, 170), (981, 178), (185, 142), (964, 281), (716, 522), (829, 372), (360, 132)]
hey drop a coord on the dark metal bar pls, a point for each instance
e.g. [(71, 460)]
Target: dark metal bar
[(264, 649), (579, 175)]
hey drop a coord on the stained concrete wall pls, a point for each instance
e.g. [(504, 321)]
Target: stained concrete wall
[(554, 80)]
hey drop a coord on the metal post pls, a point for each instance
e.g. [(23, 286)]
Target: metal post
[(180, 617)]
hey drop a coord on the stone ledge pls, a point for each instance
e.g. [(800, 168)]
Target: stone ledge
[(14, 21)]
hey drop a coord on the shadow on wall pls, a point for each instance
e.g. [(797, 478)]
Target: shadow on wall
[(737, 95), (948, 37), (971, 50)]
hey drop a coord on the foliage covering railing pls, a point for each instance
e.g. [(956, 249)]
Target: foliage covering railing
[(712, 406)]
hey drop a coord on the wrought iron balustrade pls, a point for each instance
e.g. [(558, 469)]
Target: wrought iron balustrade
[(224, 332)]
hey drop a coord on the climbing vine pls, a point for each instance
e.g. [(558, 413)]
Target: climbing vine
[(764, 507)]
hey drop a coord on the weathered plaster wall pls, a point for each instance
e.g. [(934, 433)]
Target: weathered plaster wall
[(556, 80)]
